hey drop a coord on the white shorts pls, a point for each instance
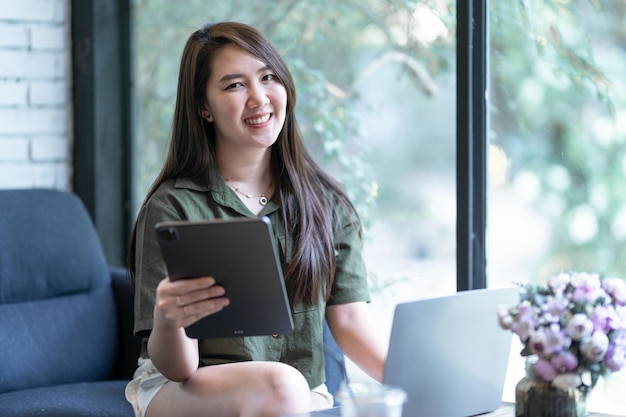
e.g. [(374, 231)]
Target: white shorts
[(147, 381)]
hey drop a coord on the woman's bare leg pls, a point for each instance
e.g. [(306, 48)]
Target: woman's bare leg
[(243, 389)]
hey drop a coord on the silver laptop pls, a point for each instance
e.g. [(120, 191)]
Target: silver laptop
[(448, 354)]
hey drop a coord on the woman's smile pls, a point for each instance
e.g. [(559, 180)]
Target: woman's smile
[(258, 120)]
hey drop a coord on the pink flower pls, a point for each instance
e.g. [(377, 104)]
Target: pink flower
[(564, 362), (579, 327), (545, 370), (537, 343), (595, 347)]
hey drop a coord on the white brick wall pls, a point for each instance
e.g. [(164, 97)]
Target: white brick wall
[(35, 97)]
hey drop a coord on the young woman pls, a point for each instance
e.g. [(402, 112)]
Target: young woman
[(235, 151)]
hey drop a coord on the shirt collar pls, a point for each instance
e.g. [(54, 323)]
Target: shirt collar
[(224, 195)]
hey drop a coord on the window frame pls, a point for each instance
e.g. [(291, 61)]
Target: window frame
[(471, 125), (102, 151)]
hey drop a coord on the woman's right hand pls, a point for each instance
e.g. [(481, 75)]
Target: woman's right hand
[(183, 302), (179, 304)]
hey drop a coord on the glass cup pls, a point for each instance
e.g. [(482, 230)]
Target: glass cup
[(371, 400)]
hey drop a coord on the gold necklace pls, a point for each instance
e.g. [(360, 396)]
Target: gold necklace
[(262, 198)]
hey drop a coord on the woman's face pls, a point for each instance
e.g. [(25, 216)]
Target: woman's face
[(244, 100)]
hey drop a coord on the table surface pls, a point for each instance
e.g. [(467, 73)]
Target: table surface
[(508, 410)]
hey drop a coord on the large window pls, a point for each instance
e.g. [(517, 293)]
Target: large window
[(558, 148)]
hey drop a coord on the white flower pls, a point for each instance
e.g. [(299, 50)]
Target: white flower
[(504, 317), (594, 348), (557, 283), (585, 279), (616, 288), (566, 381), (579, 327)]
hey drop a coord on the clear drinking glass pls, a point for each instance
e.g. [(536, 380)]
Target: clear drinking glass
[(371, 400)]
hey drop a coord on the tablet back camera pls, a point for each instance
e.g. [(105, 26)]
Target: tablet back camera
[(168, 234)]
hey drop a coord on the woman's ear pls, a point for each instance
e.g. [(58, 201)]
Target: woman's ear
[(206, 114)]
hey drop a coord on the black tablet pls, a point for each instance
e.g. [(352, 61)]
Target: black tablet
[(241, 254)]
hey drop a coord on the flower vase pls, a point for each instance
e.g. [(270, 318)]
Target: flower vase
[(535, 397)]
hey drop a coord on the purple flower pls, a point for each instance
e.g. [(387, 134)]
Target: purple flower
[(615, 357), (620, 314), (548, 340), (595, 347), (545, 370), (556, 339), (605, 318), (616, 288), (554, 308), (564, 362), (525, 321), (587, 287), (579, 327)]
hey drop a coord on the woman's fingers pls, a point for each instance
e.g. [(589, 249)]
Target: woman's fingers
[(202, 290), (200, 309), (183, 302)]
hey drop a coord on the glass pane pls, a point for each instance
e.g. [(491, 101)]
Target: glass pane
[(376, 104), (557, 150)]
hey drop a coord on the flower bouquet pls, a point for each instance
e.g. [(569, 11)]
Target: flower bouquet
[(575, 327)]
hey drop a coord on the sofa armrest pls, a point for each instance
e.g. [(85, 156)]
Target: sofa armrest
[(129, 346)]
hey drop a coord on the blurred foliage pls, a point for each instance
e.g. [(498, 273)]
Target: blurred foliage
[(559, 111), (557, 95)]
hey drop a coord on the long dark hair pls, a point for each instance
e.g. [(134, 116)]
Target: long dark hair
[(309, 197)]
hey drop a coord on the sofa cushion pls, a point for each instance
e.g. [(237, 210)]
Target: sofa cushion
[(59, 340), (100, 399), (49, 246)]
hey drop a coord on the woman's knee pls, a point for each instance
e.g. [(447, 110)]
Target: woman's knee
[(288, 381), (246, 389), (285, 391)]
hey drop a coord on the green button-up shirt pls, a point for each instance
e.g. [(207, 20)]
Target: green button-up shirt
[(187, 199)]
